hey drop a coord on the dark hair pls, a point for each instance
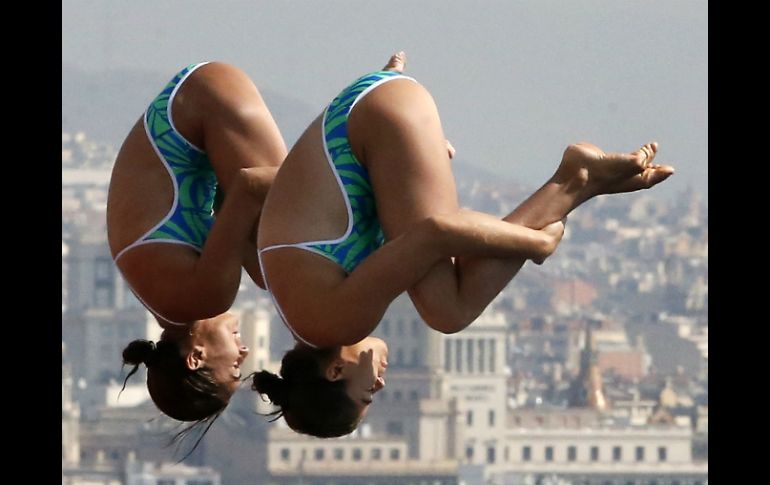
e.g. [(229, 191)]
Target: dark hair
[(309, 402), (180, 393)]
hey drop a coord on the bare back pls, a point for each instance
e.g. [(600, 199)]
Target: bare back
[(220, 125), (305, 202), (310, 205)]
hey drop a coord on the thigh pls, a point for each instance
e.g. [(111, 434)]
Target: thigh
[(396, 132), (222, 109), (406, 155)]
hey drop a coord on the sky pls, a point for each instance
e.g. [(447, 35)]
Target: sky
[(515, 81)]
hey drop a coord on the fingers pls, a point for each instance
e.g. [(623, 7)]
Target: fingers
[(396, 63)]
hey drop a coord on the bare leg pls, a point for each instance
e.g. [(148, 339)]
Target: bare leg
[(401, 138), (585, 172)]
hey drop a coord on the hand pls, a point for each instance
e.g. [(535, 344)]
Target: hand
[(554, 233)]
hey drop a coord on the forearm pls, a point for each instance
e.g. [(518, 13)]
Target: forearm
[(476, 234), (422, 252), (218, 269), (490, 253), (481, 279)]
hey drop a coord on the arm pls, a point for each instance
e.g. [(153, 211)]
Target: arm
[(397, 131), (350, 310), (221, 110)]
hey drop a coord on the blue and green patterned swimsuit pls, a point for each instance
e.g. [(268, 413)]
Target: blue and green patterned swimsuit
[(363, 235), (190, 218)]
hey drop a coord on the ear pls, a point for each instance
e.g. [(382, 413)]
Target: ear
[(194, 359), (334, 370)]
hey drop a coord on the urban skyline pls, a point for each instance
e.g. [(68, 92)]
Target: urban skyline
[(536, 366)]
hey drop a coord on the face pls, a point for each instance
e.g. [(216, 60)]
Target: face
[(219, 339), (363, 367)]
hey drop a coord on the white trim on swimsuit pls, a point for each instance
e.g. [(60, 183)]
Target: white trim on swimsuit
[(141, 241), (306, 245)]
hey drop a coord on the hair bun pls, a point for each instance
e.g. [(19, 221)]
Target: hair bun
[(140, 352), (271, 385)]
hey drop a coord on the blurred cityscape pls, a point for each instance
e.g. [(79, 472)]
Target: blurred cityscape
[(589, 369)]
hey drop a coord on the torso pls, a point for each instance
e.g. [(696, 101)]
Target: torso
[(305, 205), (142, 194), (145, 201)]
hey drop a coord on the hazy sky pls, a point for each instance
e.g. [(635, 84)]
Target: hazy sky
[(515, 81)]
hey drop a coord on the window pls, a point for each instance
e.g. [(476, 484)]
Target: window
[(199, 482), (163, 481), (447, 355), (469, 453), (491, 418), (482, 354), (662, 454), (414, 395), (617, 453), (319, 454), (102, 269), (395, 427), (526, 453), (458, 355), (400, 357), (356, 454), (491, 355), (261, 344), (376, 454), (416, 328), (397, 395), (469, 349), (415, 357), (549, 453), (506, 454), (339, 454), (103, 297), (469, 418), (399, 327), (571, 453), (490, 454), (395, 454), (640, 453), (285, 454), (594, 453)]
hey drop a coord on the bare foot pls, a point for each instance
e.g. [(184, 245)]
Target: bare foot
[(396, 63), (554, 233), (594, 172)]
